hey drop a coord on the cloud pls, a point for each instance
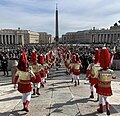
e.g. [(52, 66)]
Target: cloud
[(74, 15)]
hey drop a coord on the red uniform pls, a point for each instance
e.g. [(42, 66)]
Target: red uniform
[(24, 80), (92, 73), (24, 77), (35, 68), (104, 80), (36, 71), (76, 68)]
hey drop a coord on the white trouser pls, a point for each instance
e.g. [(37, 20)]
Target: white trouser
[(26, 96), (46, 76), (92, 88), (101, 97), (43, 79), (36, 85), (76, 77)]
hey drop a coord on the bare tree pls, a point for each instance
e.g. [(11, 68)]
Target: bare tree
[(115, 24)]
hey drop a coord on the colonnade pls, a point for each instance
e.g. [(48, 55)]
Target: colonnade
[(8, 39), (105, 38)]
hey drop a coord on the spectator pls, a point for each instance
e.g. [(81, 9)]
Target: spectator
[(4, 65)]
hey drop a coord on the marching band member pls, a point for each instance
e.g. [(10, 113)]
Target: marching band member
[(76, 69), (105, 75), (36, 70), (71, 66), (67, 63), (92, 72), (43, 69), (24, 76), (58, 59)]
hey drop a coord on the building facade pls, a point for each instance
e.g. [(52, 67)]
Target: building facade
[(18, 37), (106, 36), (45, 38), (93, 36), (80, 37)]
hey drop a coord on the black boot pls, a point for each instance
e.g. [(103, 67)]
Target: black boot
[(33, 92), (42, 85), (78, 82), (37, 92), (23, 107), (75, 83), (108, 108)]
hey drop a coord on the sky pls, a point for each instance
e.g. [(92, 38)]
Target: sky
[(74, 15)]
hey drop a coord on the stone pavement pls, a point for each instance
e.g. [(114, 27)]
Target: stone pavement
[(59, 97)]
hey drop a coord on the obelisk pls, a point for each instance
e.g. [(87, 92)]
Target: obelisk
[(57, 33)]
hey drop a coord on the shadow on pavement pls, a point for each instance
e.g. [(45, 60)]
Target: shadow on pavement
[(5, 114), (4, 83), (58, 87), (91, 114), (112, 109), (70, 102), (62, 82), (59, 75), (10, 98), (57, 107), (17, 113), (9, 92)]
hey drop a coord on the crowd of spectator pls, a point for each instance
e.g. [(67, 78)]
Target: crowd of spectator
[(86, 54)]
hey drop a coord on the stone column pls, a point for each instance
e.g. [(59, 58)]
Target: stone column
[(8, 39), (100, 39), (2, 39), (17, 39), (5, 40), (13, 40)]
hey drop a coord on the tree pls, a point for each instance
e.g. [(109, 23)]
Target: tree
[(115, 24), (119, 21)]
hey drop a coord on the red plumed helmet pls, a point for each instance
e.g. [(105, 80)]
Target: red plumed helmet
[(42, 59), (97, 56), (23, 62), (73, 58), (33, 58), (105, 58)]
